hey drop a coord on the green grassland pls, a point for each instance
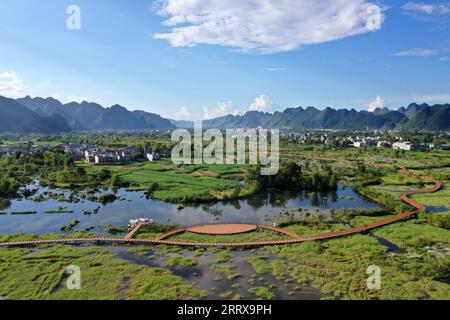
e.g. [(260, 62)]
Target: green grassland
[(180, 183), (389, 195), (414, 234), (41, 274), (173, 261), (441, 198), (376, 157), (337, 266), (385, 165), (258, 235), (316, 228)]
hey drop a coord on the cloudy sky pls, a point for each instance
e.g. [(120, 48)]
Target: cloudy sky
[(191, 59)]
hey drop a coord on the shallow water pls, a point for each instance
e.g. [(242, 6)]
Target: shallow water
[(393, 248), (218, 286), (437, 209), (260, 208)]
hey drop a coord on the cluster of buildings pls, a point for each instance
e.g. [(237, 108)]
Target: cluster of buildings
[(360, 140), (367, 142), (400, 145), (24, 149), (307, 137), (408, 146), (6, 149), (103, 156), (89, 154)]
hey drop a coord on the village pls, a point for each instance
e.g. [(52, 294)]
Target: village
[(88, 153), (333, 139), (361, 139)]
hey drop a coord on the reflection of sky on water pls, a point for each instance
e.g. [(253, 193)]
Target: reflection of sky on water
[(259, 208), (437, 209)]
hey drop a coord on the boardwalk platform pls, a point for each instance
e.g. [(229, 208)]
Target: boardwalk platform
[(223, 229)]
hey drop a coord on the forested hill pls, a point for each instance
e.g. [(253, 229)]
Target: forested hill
[(16, 118), (417, 117), (92, 116), (48, 115)]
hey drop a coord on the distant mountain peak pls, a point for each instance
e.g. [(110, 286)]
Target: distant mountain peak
[(92, 116), (43, 113), (381, 111), (416, 105), (118, 107), (17, 118)]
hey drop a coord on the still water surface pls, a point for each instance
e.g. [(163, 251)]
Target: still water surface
[(260, 208)]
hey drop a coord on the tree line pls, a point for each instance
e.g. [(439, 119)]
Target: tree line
[(52, 167), (291, 176)]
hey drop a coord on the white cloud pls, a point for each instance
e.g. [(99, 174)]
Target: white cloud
[(418, 52), (44, 84), (264, 26), (443, 59), (222, 109), (56, 96), (262, 103), (185, 114), (11, 85), (275, 69), (377, 103), (418, 8)]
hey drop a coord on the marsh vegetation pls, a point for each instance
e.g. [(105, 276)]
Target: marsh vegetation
[(72, 194)]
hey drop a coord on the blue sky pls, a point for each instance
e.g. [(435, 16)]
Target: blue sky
[(201, 58)]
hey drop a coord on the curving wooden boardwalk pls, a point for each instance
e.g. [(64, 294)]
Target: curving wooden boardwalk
[(294, 237), (133, 232)]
